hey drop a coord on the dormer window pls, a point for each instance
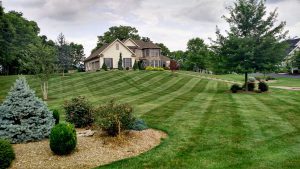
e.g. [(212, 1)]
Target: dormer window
[(117, 46)]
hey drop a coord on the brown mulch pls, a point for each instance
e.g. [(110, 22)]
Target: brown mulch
[(90, 151)]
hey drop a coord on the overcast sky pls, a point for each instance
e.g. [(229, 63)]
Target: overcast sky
[(172, 22)]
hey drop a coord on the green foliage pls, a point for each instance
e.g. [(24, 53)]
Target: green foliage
[(254, 41), (139, 125), (135, 66), (251, 86), (7, 154), (127, 68), (114, 118), (235, 88), (251, 80), (79, 111), (23, 116), (56, 116), (296, 59), (120, 62), (63, 139), (263, 87), (117, 32), (104, 67), (150, 68), (173, 65), (141, 65)]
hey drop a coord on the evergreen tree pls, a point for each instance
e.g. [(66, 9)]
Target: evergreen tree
[(104, 67), (23, 116), (120, 63), (135, 66)]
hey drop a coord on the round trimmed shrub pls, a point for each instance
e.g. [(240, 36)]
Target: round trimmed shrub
[(56, 116), (79, 111), (235, 88), (7, 154), (251, 86), (263, 87), (63, 139)]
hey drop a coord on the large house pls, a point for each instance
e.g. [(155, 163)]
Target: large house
[(131, 50), (294, 45)]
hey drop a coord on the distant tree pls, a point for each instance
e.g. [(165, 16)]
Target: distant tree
[(77, 54), (23, 116), (146, 39), (253, 42), (64, 53), (197, 54), (120, 62), (164, 49), (117, 32), (42, 63)]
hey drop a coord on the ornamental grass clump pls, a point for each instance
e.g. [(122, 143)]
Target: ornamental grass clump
[(114, 118), (23, 116)]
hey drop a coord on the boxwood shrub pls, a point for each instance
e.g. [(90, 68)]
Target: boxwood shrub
[(7, 154), (263, 86), (63, 139)]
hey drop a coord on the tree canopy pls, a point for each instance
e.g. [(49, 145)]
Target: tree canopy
[(164, 49)]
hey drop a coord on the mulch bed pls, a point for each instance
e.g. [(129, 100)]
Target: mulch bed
[(90, 151)]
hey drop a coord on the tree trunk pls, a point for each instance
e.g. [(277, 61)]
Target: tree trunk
[(44, 87), (63, 72), (246, 81)]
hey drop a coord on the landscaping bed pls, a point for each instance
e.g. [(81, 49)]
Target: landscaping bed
[(91, 152)]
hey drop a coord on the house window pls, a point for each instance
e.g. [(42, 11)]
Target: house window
[(127, 62), (117, 46), (108, 62)]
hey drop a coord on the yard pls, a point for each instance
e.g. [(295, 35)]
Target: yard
[(207, 126)]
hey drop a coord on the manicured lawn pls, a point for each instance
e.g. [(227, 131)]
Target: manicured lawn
[(208, 127), (280, 81)]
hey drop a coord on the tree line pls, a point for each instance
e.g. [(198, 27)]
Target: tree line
[(21, 46)]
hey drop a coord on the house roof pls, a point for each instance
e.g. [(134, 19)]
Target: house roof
[(292, 44), (146, 45), (96, 53)]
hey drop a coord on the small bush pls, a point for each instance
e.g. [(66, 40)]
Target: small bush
[(104, 67), (114, 118), (251, 86), (127, 68), (63, 139), (135, 66), (149, 68), (235, 88), (7, 154), (79, 111), (139, 125), (263, 87), (56, 116)]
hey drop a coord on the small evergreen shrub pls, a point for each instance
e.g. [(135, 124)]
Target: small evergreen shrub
[(7, 154), (63, 139), (141, 65), (251, 86), (56, 116), (139, 125), (263, 87), (114, 118), (120, 62), (235, 88), (135, 66), (127, 68), (79, 111), (23, 116), (104, 67)]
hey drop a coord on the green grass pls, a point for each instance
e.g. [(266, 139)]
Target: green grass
[(280, 81), (207, 126)]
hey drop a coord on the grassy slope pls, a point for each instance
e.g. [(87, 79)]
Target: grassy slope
[(280, 81), (207, 126)]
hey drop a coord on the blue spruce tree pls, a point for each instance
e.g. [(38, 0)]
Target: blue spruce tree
[(23, 116)]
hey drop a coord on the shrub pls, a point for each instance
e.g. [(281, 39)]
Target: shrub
[(141, 65), (235, 88), (251, 86), (114, 118), (120, 62), (139, 125), (7, 154), (127, 68), (63, 139), (104, 67), (23, 116), (263, 87), (150, 68), (79, 111), (135, 66), (56, 116)]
